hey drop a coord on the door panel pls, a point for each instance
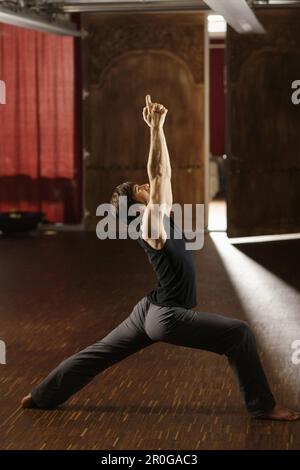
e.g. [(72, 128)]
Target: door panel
[(263, 138), (126, 57)]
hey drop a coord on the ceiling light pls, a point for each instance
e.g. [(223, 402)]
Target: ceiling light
[(216, 24)]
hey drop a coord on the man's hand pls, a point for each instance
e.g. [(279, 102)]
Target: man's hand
[(154, 114)]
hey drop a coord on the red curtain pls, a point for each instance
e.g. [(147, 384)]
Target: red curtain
[(37, 124), (217, 98)]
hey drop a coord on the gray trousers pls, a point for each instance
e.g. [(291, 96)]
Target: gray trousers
[(147, 324)]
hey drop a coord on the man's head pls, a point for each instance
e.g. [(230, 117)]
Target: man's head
[(135, 193)]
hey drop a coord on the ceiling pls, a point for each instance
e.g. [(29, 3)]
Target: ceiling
[(127, 5), (28, 13)]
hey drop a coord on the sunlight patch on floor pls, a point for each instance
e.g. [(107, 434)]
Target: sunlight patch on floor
[(271, 306)]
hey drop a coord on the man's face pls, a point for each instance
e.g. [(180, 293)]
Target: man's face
[(141, 193)]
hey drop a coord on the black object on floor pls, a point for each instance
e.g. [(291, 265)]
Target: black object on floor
[(19, 221)]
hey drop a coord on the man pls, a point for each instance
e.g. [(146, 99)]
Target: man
[(165, 314)]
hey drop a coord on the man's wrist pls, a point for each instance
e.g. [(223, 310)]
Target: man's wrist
[(156, 129)]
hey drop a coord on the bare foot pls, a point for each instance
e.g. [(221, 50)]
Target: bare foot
[(27, 402), (280, 413)]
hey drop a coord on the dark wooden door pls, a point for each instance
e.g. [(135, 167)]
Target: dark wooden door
[(125, 57), (263, 127)]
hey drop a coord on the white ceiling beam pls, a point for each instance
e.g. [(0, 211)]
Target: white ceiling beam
[(72, 6), (238, 15), (31, 21)]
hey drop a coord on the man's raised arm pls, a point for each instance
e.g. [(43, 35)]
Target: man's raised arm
[(159, 171), (159, 161)]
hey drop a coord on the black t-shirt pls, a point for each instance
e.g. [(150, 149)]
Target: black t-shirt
[(174, 268)]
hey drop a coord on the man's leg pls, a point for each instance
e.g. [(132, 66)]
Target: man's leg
[(79, 369), (222, 335)]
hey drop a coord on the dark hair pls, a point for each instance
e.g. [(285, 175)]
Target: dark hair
[(124, 189)]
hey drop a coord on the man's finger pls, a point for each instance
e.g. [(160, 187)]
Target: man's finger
[(148, 100), (145, 114)]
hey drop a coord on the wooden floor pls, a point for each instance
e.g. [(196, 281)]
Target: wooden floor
[(60, 293)]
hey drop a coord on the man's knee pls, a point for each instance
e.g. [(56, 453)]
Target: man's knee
[(240, 336), (243, 330)]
